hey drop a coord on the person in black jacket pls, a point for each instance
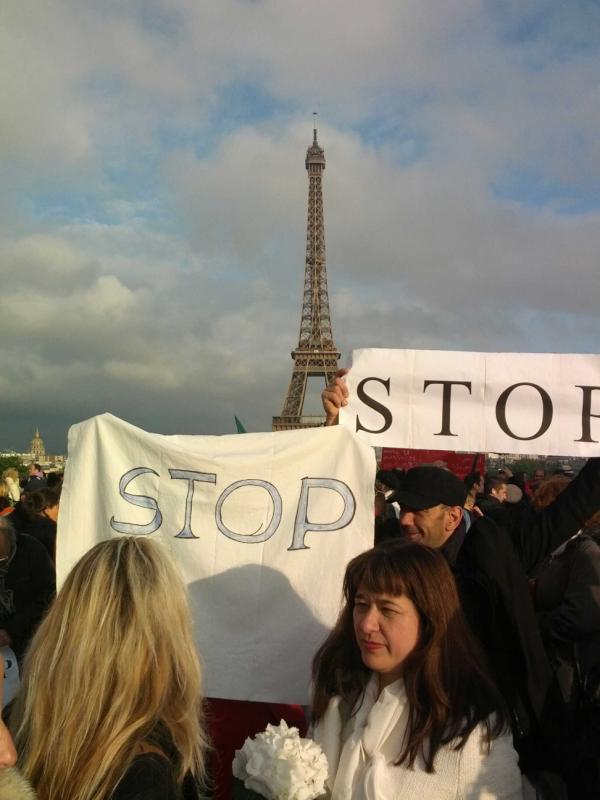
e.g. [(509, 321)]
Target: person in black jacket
[(36, 479), (41, 509), (27, 586), (567, 600), (492, 503)]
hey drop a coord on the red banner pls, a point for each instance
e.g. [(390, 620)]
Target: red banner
[(459, 463)]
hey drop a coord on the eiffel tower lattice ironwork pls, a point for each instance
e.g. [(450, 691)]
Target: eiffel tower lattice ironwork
[(316, 354)]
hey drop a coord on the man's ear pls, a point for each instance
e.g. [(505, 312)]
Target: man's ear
[(454, 517)]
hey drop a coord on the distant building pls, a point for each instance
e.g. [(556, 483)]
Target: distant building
[(36, 448), (37, 454)]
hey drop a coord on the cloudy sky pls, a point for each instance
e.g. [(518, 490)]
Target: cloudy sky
[(153, 203)]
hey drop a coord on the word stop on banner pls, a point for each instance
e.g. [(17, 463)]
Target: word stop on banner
[(302, 523), (475, 402)]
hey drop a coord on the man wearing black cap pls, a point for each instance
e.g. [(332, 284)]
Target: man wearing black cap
[(431, 502)]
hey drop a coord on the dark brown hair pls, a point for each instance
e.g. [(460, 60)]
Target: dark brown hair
[(35, 503), (448, 687), (548, 490), (471, 480), (493, 482)]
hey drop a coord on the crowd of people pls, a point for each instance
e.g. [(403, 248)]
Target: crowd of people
[(28, 521), (465, 663)]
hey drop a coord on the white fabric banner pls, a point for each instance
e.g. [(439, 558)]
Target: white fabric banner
[(540, 403), (262, 526)]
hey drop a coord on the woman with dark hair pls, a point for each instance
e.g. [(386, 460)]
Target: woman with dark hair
[(403, 703)]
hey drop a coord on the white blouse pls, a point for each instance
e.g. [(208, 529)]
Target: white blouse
[(361, 756)]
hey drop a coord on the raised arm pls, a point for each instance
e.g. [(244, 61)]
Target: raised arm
[(539, 534)]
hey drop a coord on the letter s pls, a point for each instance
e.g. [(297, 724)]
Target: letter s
[(140, 500), (374, 404)]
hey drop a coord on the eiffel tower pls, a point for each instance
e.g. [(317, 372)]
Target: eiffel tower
[(316, 354)]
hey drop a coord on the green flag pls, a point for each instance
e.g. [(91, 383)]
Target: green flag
[(239, 426)]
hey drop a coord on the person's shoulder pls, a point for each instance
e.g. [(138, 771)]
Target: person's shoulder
[(34, 484), (483, 525), (585, 547), (27, 540), (485, 534), (149, 777), (485, 502), (493, 766), (478, 744), (487, 548), (589, 540), (30, 545)]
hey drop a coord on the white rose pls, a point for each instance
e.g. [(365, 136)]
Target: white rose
[(280, 765)]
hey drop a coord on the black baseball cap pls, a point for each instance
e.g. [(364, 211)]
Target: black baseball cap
[(424, 487)]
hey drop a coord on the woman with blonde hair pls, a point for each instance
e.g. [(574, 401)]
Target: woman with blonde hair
[(6, 506), (11, 476), (110, 701)]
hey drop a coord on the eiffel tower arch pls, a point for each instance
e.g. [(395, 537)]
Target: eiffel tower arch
[(316, 354)]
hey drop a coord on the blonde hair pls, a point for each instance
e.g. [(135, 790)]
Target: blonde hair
[(113, 660), (11, 472), (4, 488)]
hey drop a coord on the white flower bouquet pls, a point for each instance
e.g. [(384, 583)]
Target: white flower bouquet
[(279, 764)]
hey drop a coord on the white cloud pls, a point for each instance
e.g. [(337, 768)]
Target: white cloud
[(152, 246)]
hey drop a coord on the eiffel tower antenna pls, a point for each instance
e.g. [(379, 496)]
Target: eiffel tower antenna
[(316, 354)]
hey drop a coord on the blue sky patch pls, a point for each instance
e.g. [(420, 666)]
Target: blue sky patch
[(533, 190)]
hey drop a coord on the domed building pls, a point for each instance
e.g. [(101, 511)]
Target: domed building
[(38, 454), (36, 448)]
